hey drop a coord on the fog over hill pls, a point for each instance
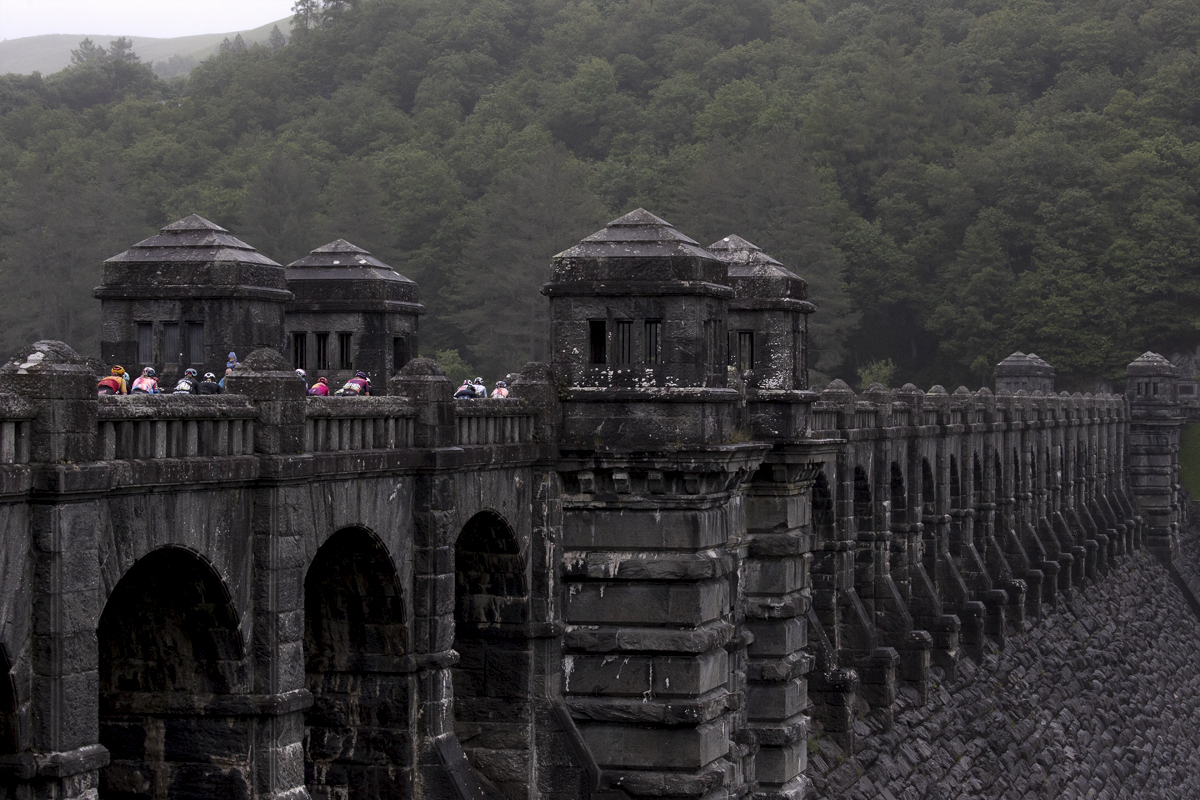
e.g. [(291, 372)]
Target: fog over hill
[(50, 53)]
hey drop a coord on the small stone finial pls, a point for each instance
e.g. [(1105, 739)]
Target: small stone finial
[(837, 390), (425, 367), (264, 359), (44, 356)]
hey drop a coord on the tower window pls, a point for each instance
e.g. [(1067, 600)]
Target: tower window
[(399, 352), (597, 341), (145, 342), (624, 341), (345, 351), (171, 349), (745, 351), (653, 326), (322, 351), (195, 343), (300, 350)]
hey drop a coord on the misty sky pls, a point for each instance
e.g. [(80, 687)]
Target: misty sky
[(160, 18)]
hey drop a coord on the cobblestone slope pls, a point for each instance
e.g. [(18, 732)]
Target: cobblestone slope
[(1101, 699)]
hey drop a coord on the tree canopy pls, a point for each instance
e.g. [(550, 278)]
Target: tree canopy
[(956, 179)]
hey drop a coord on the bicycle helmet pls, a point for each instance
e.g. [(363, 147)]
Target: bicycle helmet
[(208, 376), (501, 384), (118, 370), (360, 374), (149, 372), (189, 373), (301, 373)]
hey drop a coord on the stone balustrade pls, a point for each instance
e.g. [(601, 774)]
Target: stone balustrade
[(175, 426), (494, 422), (334, 424)]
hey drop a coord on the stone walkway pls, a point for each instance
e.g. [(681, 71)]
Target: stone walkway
[(1099, 700)]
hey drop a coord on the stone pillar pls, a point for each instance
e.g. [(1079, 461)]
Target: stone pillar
[(278, 646), (422, 381), (65, 731), (778, 598), (1154, 431)]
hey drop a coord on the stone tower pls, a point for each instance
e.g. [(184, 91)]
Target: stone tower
[(186, 298), (651, 508), (768, 317), (351, 312), (1024, 372), (1151, 388)]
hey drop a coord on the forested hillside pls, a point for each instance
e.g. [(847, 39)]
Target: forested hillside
[(956, 179)]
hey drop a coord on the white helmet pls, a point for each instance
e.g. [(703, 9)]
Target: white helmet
[(301, 373)]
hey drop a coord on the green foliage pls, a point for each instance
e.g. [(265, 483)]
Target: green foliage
[(1189, 460), (954, 180), (455, 368), (876, 372)]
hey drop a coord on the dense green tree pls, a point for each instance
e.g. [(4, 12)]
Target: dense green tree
[(954, 180), (533, 211)]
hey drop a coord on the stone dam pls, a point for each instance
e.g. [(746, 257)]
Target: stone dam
[(665, 567)]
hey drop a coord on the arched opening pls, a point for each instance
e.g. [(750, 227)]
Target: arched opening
[(10, 739), (997, 487), (822, 508), (355, 637), (955, 485), (493, 678), (169, 647), (977, 480), (863, 512), (928, 490), (899, 496)]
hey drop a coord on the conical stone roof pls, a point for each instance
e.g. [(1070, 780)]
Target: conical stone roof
[(341, 270), (638, 247), (192, 239), (192, 256), (755, 275), (1150, 364)]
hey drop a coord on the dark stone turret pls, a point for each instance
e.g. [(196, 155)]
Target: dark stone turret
[(1155, 427), (187, 297), (1024, 372), (638, 304), (351, 312), (768, 317)]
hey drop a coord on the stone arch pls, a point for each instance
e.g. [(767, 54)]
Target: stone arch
[(977, 480), (10, 739), (956, 499), (355, 640), (493, 680), (823, 516), (169, 649), (928, 489), (864, 513), (898, 494)]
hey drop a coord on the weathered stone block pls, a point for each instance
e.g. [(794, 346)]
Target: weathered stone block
[(206, 740), (630, 747), (647, 604)]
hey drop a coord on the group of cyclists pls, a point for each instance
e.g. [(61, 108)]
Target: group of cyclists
[(117, 382), (473, 389)]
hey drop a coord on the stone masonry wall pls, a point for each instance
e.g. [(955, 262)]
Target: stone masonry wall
[(1100, 699)]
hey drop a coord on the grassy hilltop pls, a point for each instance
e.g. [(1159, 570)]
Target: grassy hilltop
[(956, 179), (173, 56)]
